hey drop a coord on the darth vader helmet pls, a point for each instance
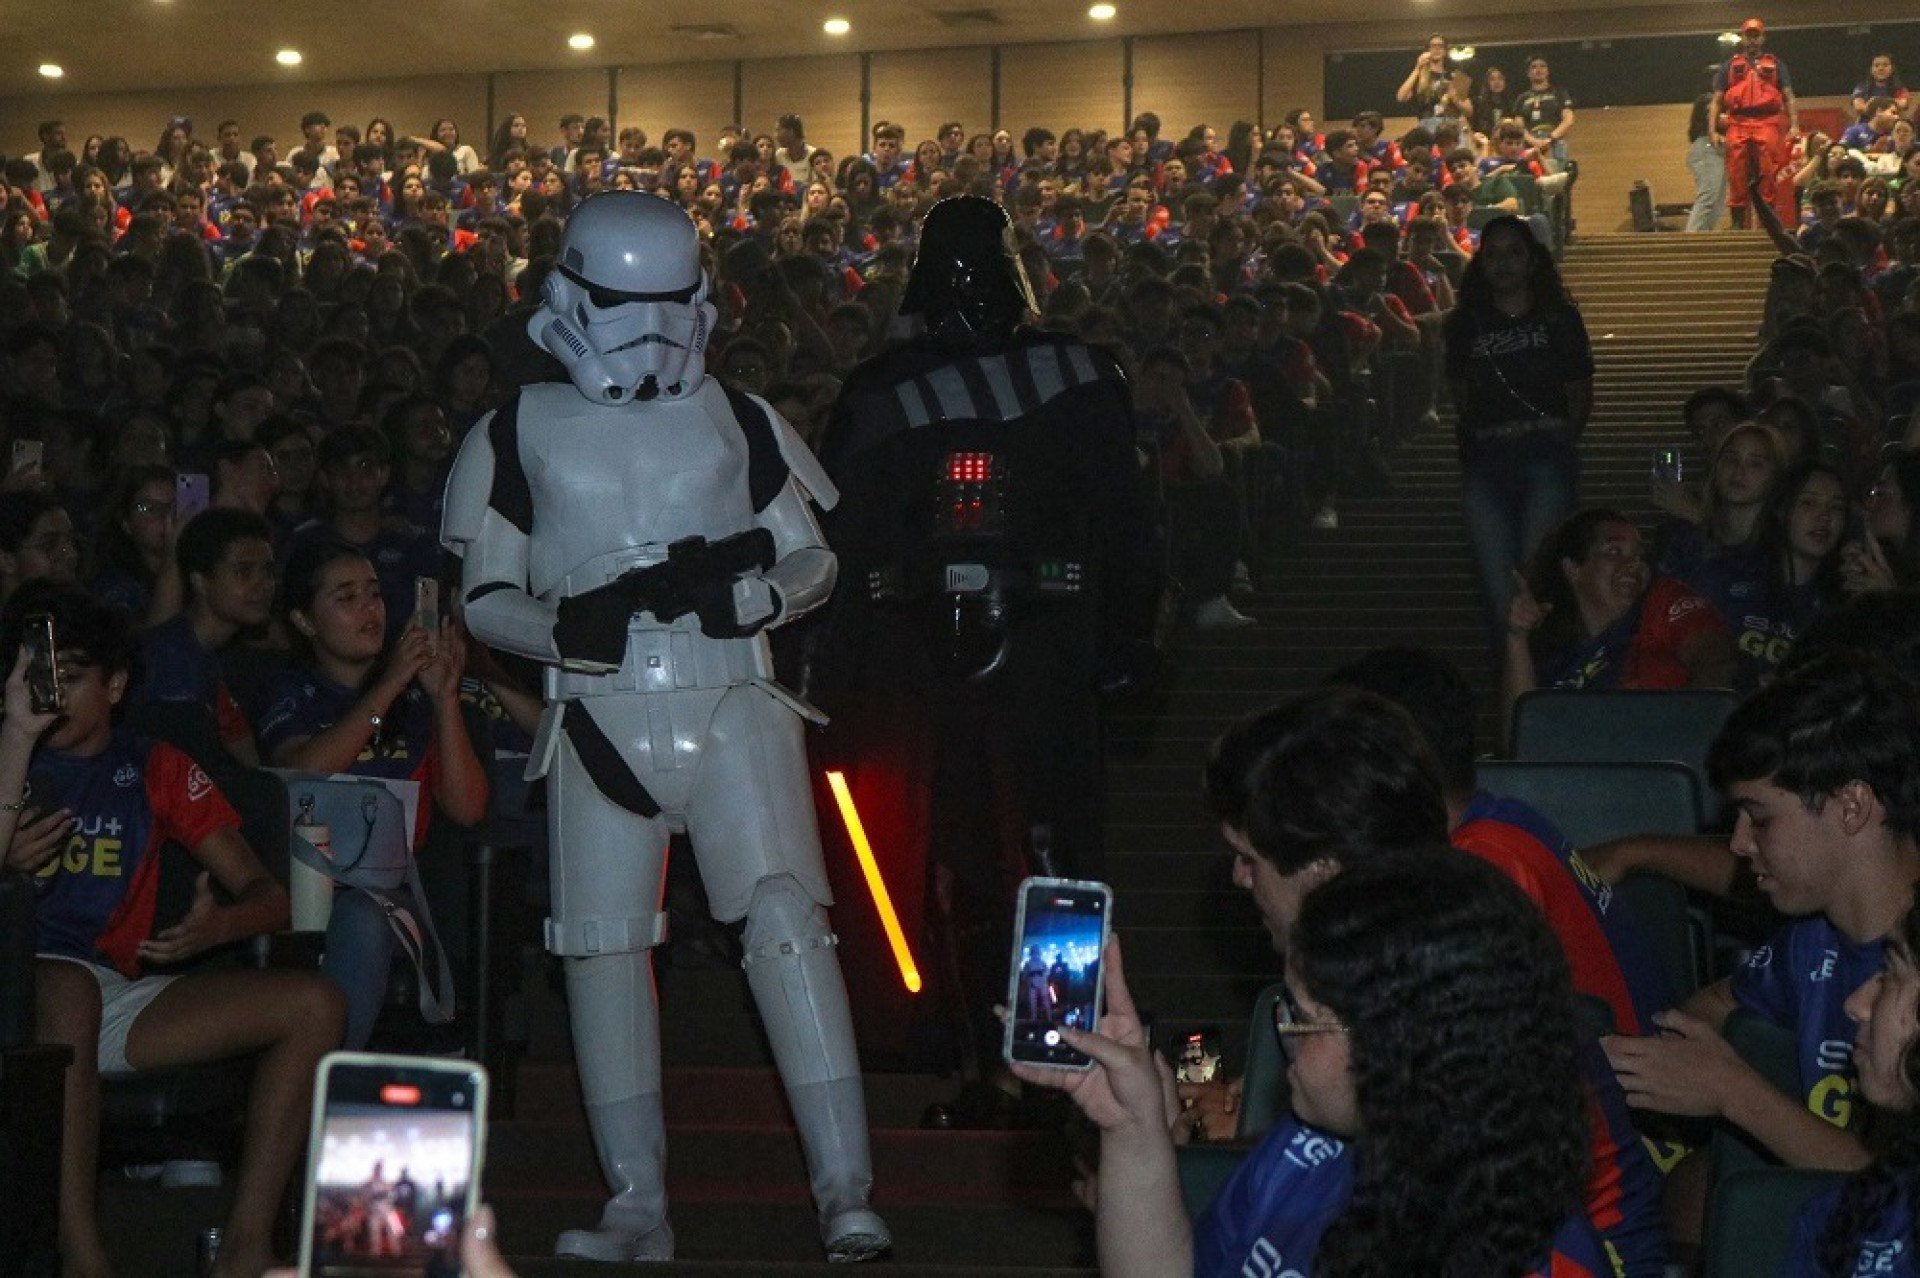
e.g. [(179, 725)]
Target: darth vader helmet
[(967, 279)]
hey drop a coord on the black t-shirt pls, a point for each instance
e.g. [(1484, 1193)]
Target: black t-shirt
[(1516, 368), (1541, 109)]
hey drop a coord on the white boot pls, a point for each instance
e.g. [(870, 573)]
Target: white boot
[(630, 1137), (832, 1118), (796, 984)]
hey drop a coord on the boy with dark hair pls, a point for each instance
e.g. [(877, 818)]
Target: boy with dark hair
[(354, 468), (226, 567), (1378, 151), (89, 829), (1822, 770), (1336, 777), (888, 140), (1342, 170)]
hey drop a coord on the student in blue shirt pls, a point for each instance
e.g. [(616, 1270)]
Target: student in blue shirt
[(1821, 767), (354, 703), (1429, 1027), (1866, 1224)]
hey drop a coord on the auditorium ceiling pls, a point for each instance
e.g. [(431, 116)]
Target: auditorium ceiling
[(130, 44)]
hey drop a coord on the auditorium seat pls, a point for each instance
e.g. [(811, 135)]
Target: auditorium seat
[(1559, 725), (1593, 802), (1774, 1053), (1751, 1216)]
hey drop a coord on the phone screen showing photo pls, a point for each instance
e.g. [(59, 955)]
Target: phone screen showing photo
[(1056, 969), (393, 1170)]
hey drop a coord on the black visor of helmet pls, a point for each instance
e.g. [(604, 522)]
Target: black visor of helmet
[(604, 297)]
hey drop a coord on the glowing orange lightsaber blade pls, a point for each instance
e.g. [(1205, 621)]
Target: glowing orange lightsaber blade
[(877, 886)]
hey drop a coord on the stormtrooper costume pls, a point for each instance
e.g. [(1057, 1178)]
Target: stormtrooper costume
[(572, 510)]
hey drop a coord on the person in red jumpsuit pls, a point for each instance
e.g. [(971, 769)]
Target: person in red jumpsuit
[(1754, 114)]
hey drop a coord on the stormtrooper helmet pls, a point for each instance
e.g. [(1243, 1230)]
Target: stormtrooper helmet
[(625, 308)]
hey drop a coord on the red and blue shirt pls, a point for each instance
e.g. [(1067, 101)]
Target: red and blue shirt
[(1609, 958), (95, 900)]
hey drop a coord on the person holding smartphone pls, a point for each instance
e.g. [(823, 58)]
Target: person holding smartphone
[(354, 703), (92, 841), (1423, 994)]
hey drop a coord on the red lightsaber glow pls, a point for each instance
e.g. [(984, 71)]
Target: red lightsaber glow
[(882, 901)]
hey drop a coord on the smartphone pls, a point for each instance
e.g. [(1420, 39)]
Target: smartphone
[(1668, 466), (27, 457), (1060, 929), (43, 666), (194, 494), (426, 604), (393, 1171), (1196, 1054)]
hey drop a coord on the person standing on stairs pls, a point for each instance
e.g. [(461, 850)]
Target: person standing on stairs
[(1753, 114), (635, 529), (1521, 369)]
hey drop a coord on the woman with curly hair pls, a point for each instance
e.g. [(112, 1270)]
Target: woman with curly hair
[(1867, 1223), (1439, 1124)]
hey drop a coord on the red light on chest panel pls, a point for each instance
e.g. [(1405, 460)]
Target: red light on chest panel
[(969, 468)]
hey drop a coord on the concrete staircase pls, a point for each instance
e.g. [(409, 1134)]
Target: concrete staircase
[(1668, 313)]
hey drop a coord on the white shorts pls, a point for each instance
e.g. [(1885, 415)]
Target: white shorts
[(121, 1002)]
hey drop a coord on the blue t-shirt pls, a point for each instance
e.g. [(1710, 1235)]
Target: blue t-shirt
[(308, 703), (1800, 981), (174, 667), (95, 901), (1270, 1216), (1885, 1249)]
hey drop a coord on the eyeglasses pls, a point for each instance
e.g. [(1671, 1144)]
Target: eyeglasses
[(1289, 1023)]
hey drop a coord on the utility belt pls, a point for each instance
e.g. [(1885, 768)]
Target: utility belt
[(962, 576), (968, 607)]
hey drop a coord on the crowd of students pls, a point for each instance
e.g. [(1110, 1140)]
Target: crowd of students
[(299, 343)]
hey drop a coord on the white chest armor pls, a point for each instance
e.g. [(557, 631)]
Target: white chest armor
[(615, 486)]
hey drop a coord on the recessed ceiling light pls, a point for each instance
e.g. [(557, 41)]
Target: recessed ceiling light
[(1102, 12), (836, 26), (52, 70), (288, 57), (580, 40)]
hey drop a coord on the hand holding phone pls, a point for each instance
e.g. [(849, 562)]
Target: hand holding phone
[(44, 692), (1128, 1086), (426, 605), (1669, 467), (1060, 931), (394, 1165)]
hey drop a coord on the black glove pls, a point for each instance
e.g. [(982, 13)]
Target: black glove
[(713, 603), (592, 626)]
